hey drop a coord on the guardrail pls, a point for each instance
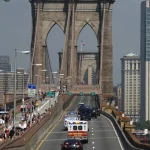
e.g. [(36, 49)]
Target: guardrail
[(123, 128), (125, 142)]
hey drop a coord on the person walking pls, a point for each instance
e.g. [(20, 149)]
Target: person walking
[(11, 133)]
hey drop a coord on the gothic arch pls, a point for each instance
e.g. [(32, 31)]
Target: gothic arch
[(83, 24), (53, 23), (47, 26), (86, 67), (90, 65)]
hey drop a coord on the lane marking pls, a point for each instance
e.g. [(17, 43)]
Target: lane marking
[(93, 147), (98, 138), (92, 142), (102, 130), (115, 133), (101, 126), (55, 124), (92, 134)]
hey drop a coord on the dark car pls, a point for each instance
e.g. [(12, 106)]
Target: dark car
[(72, 144), (94, 112), (85, 113), (97, 110)]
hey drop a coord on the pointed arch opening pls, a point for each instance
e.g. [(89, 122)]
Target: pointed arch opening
[(90, 76), (55, 44), (88, 53), (87, 40)]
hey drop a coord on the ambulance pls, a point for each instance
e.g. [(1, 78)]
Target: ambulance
[(78, 130)]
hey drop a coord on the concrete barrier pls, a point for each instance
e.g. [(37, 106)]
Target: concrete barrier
[(123, 128)]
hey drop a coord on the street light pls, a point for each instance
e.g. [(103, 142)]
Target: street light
[(23, 52)]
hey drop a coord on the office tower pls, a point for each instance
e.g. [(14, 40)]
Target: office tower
[(5, 63), (145, 61), (130, 85), (7, 82)]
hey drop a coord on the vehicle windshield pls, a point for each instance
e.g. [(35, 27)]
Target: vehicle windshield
[(72, 118)]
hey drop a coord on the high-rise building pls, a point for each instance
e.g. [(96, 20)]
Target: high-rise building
[(145, 61), (130, 85), (5, 63), (7, 82)]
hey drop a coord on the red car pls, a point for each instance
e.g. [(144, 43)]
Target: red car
[(72, 144)]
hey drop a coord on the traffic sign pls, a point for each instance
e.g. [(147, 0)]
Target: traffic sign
[(31, 90), (92, 93), (81, 93), (69, 93), (51, 94)]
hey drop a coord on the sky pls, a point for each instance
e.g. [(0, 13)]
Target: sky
[(16, 29)]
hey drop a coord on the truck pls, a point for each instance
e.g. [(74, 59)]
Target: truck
[(78, 130), (84, 112)]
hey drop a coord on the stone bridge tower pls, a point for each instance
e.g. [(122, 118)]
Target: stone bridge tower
[(71, 16)]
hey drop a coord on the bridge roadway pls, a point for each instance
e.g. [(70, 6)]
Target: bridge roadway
[(101, 132)]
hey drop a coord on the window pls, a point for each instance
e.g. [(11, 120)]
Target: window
[(74, 127), (139, 66), (134, 66), (79, 127), (130, 66)]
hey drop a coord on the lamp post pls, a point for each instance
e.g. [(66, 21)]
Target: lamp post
[(31, 83), (23, 52)]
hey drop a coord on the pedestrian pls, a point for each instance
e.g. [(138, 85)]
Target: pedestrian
[(28, 107), (7, 132), (1, 121), (21, 108), (11, 133), (25, 107)]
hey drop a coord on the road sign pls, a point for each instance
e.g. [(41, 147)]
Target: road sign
[(31, 90), (51, 94), (81, 93), (92, 93), (69, 93)]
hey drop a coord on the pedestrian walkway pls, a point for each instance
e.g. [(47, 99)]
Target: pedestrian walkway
[(43, 105)]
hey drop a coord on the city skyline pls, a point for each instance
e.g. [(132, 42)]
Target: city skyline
[(17, 32)]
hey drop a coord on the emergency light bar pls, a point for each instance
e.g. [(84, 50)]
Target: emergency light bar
[(77, 123)]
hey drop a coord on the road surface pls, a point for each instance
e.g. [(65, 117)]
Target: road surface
[(101, 132)]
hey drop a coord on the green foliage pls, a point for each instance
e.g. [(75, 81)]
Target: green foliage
[(145, 125)]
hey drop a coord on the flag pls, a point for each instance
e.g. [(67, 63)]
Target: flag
[(82, 43)]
